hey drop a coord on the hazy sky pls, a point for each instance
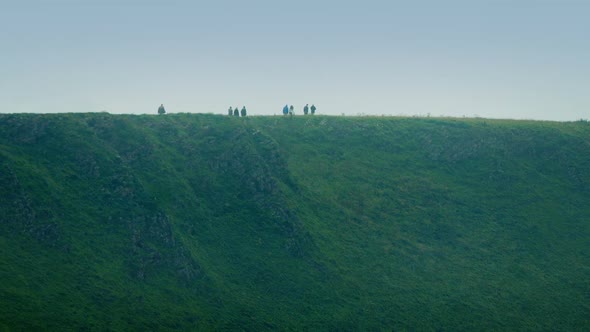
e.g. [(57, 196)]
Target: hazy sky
[(491, 58)]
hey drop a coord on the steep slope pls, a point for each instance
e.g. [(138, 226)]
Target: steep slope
[(210, 222)]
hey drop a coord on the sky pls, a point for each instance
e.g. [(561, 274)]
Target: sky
[(518, 59)]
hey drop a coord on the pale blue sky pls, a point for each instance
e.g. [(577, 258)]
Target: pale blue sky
[(492, 58)]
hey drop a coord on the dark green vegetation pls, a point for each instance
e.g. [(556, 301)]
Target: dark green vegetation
[(260, 223)]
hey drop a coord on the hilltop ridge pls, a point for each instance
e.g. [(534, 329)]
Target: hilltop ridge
[(193, 221)]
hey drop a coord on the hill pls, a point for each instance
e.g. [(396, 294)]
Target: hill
[(123, 222)]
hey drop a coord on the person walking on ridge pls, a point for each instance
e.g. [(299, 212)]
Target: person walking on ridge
[(291, 110), (306, 109), (230, 111), (243, 110), (236, 111), (313, 109), (161, 109), (285, 110)]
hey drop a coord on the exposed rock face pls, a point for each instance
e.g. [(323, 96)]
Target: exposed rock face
[(255, 162), (152, 243), (153, 247)]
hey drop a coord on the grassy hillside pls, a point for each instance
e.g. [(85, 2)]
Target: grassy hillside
[(209, 222)]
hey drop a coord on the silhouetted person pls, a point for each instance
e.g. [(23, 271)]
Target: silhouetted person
[(306, 109), (312, 109), (236, 112), (161, 109), (230, 111), (291, 110), (285, 110), (243, 110)]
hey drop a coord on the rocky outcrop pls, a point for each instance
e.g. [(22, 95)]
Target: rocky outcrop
[(21, 214), (255, 162)]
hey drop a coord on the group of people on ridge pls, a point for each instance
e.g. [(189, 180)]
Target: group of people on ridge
[(288, 110), (236, 112)]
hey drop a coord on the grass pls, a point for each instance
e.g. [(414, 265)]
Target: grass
[(334, 223)]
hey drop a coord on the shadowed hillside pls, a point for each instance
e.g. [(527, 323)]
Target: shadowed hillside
[(209, 222)]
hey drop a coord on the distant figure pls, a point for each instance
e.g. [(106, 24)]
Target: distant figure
[(312, 109), (230, 111), (236, 111), (291, 110), (243, 110), (306, 109), (161, 109), (285, 110)]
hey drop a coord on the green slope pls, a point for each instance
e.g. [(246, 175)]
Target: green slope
[(208, 222)]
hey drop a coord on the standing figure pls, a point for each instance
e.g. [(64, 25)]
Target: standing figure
[(285, 110), (161, 109), (313, 109), (291, 110), (243, 110), (230, 111), (236, 111), (306, 109)]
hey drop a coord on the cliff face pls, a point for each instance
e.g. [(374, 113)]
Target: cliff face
[(203, 221)]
